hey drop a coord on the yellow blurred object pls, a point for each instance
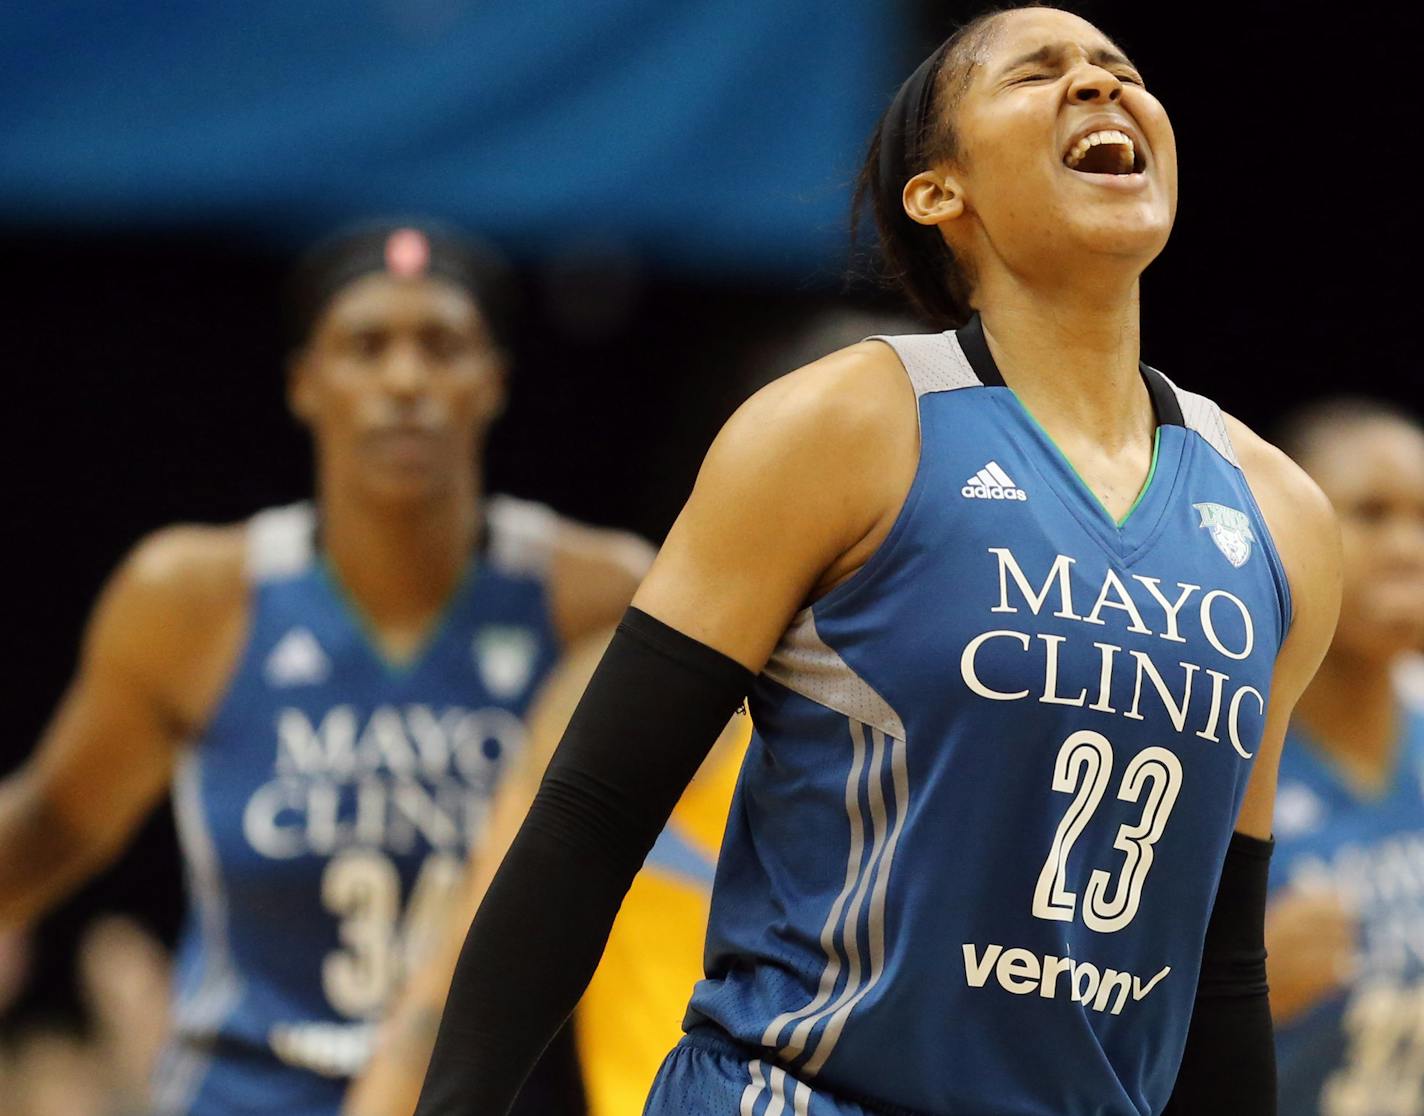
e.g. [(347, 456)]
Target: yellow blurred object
[(631, 1015)]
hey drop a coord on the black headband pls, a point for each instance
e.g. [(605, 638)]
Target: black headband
[(403, 248), (903, 125)]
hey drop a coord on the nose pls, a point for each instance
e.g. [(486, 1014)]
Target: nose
[(1094, 85), (404, 372)]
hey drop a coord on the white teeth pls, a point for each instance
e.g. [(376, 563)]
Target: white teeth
[(1108, 136)]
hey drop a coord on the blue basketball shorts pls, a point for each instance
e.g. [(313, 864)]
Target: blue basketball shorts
[(706, 1075)]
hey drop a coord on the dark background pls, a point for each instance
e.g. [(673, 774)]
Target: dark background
[(145, 364)]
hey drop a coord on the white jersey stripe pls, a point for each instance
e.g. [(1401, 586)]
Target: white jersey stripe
[(752, 1091), (1001, 477), (184, 1066), (778, 1092), (901, 791), (830, 974), (850, 936), (801, 1099)]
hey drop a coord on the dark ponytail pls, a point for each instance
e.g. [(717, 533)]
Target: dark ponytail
[(916, 131)]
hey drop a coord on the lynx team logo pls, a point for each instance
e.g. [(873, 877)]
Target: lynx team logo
[(505, 658), (1230, 530)]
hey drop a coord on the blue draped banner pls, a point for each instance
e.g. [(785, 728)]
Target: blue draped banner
[(720, 134)]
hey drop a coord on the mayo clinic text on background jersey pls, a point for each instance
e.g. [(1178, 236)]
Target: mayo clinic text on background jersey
[(1359, 1052), (332, 799), (979, 832)]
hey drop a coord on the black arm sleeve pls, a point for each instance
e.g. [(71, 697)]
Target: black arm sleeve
[(652, 711), (1230, 1061)]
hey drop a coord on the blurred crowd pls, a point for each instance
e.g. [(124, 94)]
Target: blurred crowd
[(47, 1069)]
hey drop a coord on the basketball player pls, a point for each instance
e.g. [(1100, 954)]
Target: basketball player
[(332, 690), (1345, 928), (1022, 624), (631, 1011)]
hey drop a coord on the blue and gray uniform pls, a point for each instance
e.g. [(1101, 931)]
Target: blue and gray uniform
[(1359, 1053), (331, 797), (978, 834)]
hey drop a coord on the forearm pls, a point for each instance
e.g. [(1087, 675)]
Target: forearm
[(391, 1083), (41, 859), (521, 948), (1229, 1065)]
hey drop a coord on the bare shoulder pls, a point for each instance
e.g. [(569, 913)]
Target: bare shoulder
[(836, 440), (1298, 512), (798, 489), (170, 618), (823, 407), (600, 551), (593, 574), (191, 562)]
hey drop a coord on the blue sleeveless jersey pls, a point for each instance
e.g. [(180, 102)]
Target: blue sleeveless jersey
[(1360, 1053), (331, 797), (978, 834)]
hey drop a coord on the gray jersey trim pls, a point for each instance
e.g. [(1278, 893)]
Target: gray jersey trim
[(281, 542), (933, 361), (197, 1018), (1202, 415), (522, 536), (804, 664)]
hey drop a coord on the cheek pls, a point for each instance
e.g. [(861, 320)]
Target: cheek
[(465, 399), (1009, 179), (1012, 143), (1152, 118), (335, 398)]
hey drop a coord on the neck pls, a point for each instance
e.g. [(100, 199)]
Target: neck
[(1350, 711), (400, 564), (1071, 355)]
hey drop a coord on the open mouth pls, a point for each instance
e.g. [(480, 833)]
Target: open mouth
[(1107, 151)]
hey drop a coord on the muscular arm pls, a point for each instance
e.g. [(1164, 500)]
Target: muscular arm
[(1229, 1061), (147, 668), (798, 489), (1308, 539)]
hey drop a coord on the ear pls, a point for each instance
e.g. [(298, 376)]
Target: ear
[(301, 399), (932, 198), (497, 396)]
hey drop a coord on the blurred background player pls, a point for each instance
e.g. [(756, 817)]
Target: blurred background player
[(332, 690), (632, 1010), (1345, 929)]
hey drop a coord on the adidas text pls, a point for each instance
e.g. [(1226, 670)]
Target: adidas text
[(992, 483)]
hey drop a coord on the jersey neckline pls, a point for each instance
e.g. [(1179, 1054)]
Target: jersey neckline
[(975, 346), (1166, 409), (365, 628)]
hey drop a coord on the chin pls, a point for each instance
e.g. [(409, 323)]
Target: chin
[(1127, 236), (412, 488)]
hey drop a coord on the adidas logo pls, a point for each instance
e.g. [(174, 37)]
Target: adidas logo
[(297, 660), (992, 483)]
